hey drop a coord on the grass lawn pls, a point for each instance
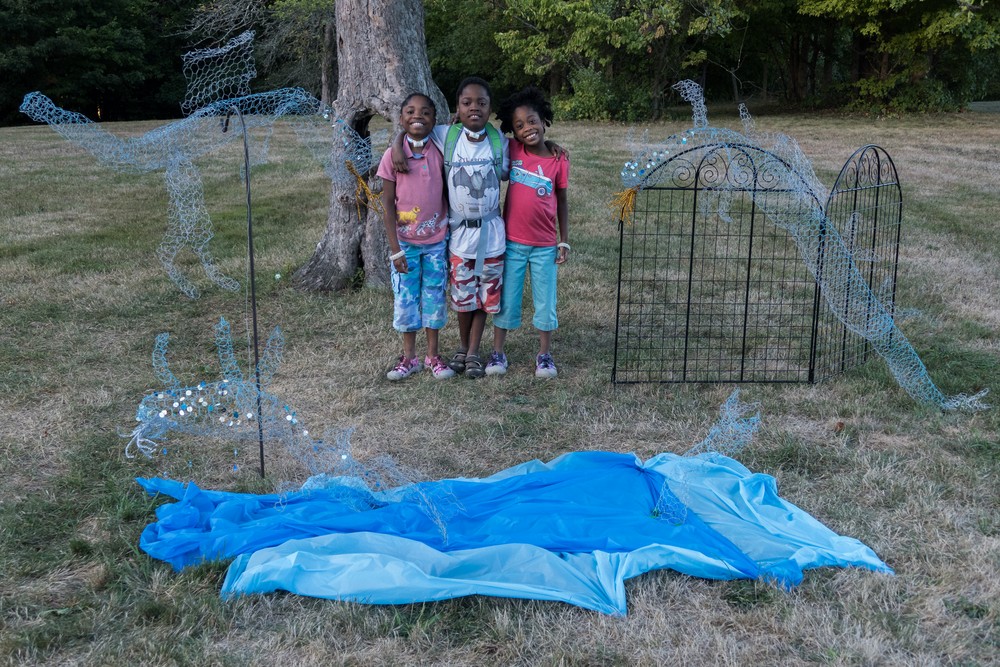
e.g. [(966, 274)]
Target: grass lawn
[(82, 297)]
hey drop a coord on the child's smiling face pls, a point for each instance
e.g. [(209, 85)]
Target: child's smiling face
[(473, 107), (417, 117), (529, 128)]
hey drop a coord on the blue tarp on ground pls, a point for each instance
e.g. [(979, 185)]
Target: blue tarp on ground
[(572, 530)]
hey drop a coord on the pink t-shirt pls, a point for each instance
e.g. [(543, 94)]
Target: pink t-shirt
[(530, 208), (421, 207)]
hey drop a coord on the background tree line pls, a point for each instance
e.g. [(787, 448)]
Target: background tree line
[(599, 59)]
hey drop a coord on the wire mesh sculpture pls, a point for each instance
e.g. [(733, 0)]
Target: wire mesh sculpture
[(174, 148), (740, 177), (218, 74), (343, 153), (730, 435), (738, 421), (234, 407), (241, 407)]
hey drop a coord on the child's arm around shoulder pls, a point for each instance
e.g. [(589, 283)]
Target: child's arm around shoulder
[(399, 163), (505, 144), (556, 149), (398, 155)]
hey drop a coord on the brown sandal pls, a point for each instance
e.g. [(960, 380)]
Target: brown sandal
[(474, 366), (457, 362)]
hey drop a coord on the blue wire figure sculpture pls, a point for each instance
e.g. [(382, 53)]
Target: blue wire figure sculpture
[(173, 149), (232, 407), (241, 407), (218, 86)]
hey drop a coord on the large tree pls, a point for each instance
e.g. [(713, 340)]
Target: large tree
[(381, 57)]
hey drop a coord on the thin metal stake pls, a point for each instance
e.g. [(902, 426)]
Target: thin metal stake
[(253, 281)]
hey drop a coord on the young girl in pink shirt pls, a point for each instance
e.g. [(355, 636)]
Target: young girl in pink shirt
[(416, 224), (536, 214)]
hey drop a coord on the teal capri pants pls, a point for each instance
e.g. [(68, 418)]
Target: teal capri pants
[(541, 262)]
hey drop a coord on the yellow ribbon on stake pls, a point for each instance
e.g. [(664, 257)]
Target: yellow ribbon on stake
[(623, 203), (371, 200)]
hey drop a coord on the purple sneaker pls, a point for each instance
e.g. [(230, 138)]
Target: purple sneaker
[(544, 366), (497, 364)]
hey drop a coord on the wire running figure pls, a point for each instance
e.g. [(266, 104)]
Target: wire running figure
[(174, 148)]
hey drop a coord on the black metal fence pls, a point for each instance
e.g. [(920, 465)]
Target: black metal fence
[(717, 293)]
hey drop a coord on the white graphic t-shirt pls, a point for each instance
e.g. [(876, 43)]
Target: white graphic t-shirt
[(474, 192)]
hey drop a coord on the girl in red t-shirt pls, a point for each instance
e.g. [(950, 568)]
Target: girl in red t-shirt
[(536, 214)]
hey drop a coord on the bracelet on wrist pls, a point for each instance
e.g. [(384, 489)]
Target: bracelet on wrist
[(563, 245), (395, 256)]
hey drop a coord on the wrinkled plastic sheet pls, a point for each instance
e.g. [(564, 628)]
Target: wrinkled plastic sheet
[(573, 530)]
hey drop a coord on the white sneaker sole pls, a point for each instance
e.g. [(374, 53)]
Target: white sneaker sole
[(394, 376)]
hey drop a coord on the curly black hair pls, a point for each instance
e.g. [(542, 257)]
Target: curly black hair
[(530, 97)]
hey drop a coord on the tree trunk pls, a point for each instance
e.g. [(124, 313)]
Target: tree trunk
[(661, 75), (763, 82), (829, 56), (798, 67), (328, 71), (555, 82), (381, 58)]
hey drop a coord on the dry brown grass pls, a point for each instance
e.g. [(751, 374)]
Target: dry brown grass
[(82, 298)]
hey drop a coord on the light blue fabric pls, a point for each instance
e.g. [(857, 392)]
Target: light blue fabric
[(572, 530), (382, 569)]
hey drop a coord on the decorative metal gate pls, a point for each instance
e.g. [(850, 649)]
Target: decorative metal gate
[(709, 290)]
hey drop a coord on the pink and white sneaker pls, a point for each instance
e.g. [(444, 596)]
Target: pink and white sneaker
[(438, 368), (405, 368)]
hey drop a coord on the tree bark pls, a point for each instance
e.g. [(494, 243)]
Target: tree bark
[(328, 71), (381, 58), (798, 67)]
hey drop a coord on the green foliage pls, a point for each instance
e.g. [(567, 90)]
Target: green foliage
[(924, 96), (632, 102), (110, 60), (121, 58), (591, 99), (630, 52), (460, 43), (914, 55)]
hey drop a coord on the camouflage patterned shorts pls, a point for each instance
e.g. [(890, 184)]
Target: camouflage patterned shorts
[(469, 293)]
